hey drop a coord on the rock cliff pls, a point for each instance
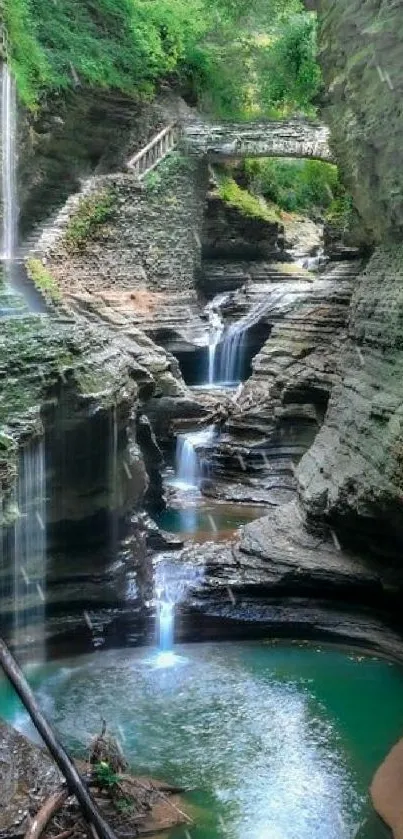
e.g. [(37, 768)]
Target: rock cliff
[(352, 474)]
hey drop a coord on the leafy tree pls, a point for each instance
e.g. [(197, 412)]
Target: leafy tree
[(307, 186), (238, 58)]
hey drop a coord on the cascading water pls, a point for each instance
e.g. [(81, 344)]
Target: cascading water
[(8, 167), (171, 583), (30, 548), (216, 328), (233, 347), (166, 618), (232, 356), (189, 469), (18, 294)]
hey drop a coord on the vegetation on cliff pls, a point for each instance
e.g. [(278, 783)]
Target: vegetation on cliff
[(310, 187), (236, 58), (92, 213), (243, 200), (43, 280)]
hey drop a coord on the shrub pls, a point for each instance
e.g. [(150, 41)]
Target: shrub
[(43, 280), (307, 186), (93, 212)]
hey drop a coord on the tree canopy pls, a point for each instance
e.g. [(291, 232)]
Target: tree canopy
[(236, 58)]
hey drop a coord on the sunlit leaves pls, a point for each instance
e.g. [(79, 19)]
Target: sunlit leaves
[(237, 58)]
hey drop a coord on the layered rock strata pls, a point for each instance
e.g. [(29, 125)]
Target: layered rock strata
[(281, 407), (140, 265), (351, 475)]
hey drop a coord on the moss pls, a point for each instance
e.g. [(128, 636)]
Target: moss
[(341, 212), (173, 164), (92, 214), (245, 202), (43, 280)]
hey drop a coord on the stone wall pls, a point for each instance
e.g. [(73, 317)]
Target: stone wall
[(144, 261)]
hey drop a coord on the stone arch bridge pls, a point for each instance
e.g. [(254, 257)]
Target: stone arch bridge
[(296, 138)]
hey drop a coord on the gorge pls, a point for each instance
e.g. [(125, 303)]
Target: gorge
[(201, 407)]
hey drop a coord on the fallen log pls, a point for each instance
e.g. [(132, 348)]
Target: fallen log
[(46, 813), (75, 783)]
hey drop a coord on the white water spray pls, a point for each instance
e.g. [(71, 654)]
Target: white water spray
[(30, 548), (216, 329), (172, 582), (8, 167), (189, 464), (232, 356)]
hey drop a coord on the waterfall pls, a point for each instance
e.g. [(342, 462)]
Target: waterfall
[(172, 581), (216, 328), (8, 166), (189, 467), (166, 618), (232, 356), (30, 547)]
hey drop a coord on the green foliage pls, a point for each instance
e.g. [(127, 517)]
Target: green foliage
[(172, 164), (341, 212), (28, 60), (104, 775), (153, 181), (43, 280), (238, 58), (248, 204), (289, 73), (93, 212), (308, 186), (108, 780)]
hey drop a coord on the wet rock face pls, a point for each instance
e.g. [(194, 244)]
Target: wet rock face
[(69, 138), (75, 385), (143, 261), (281, 407), (352, 475), (228, 234), (360, 55)]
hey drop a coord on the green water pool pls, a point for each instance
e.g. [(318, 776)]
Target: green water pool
[(205, 520), (277, 741)]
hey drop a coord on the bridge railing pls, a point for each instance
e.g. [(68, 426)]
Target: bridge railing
[(154, 152)]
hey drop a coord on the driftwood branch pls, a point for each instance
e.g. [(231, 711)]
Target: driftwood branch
[(46, 813), (74, 782)]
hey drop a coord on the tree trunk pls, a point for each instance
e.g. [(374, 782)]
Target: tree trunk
[(74, 782)]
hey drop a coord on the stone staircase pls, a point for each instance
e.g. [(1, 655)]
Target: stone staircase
[(41, 242)]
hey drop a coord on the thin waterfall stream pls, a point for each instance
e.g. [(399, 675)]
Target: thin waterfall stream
[(216, 329), (8, 169), (30, 548), (189, 462), (19, 294), (29, 542)]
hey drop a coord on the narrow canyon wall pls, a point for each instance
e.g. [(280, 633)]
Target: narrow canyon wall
[(352, 475)]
